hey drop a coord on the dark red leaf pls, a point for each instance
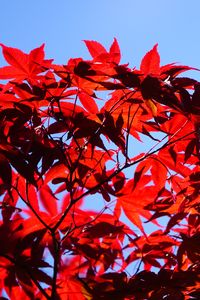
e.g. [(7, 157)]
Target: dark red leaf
[(5, 170), (190, 149), (102, 229)]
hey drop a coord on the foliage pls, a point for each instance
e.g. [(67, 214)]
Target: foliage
[(63, 146)]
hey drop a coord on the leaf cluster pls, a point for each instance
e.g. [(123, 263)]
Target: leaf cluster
[(63, 145)]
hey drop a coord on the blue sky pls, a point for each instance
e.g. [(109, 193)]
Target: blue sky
[(137, 25)]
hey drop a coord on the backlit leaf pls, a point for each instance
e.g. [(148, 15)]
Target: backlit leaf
[(95, 48), (88, 103), (151, 62), (115, 52), (15, 58)]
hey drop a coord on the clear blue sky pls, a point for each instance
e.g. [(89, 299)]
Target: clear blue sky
[(138, 25)]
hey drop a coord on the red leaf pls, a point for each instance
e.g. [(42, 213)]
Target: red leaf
[(159, 173), (36, 57), (15, 58), (115, 52), (33, 199), (57, 170), (69, 109), (10, 72), (88, 102), (23, 65), (48, 200), (151, 62), (95, 48), (37, 54)]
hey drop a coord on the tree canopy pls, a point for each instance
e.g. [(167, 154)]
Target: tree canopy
[(87, 213)]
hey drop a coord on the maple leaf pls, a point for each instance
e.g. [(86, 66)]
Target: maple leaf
[(115, 52), (88, 102), (22, 65), (99, 53), (95, 48), (150, 63)]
